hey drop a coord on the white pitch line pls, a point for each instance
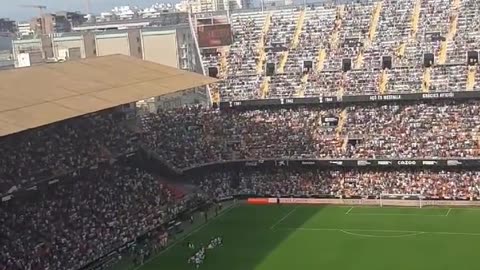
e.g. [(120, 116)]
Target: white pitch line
[(283, 218), (183, 237), (348, 212), (381, 236), (448, 212), (395, 214), (379, 230)]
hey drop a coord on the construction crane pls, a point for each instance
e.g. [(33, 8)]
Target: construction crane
[(87, 6), (41, 10)]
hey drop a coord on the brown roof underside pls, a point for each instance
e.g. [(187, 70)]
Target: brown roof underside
[(40, 95)]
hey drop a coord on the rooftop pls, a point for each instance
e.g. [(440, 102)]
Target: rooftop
[(36, 96)]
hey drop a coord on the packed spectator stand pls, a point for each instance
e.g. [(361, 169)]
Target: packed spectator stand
[(190, 137), (85, 216), (70, 200), (460, 185), (371, 47)]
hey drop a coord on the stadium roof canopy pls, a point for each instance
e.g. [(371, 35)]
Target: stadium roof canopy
[(40, 95)]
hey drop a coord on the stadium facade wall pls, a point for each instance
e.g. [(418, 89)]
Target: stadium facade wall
[(284, 102), (336, 164)]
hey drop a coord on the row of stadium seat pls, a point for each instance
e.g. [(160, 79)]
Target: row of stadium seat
[(84, 216), (271, 49), (193, 136), (308, 182)]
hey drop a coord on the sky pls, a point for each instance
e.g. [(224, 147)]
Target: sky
[(11, 8)]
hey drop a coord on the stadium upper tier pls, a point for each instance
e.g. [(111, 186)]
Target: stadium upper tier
[(302, 52)]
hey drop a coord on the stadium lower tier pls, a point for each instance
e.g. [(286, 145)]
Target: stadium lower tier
[(462, 185), (70, 222)]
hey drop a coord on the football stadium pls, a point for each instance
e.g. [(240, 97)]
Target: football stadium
[(335, 135)]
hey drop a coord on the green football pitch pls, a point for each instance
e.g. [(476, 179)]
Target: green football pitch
[(285, 237)]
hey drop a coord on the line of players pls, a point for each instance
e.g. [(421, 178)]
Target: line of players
[(198, 258)]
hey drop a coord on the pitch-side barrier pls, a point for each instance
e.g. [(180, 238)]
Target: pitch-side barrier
[(372, 202)]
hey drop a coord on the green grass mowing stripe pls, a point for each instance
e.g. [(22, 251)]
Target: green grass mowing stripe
[(184, 237), (429, 243)]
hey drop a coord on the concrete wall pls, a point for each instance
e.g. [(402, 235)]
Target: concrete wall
[(68, 43), (160, 47), (89, 45), (135, 43), (32, 46), (108, 44)]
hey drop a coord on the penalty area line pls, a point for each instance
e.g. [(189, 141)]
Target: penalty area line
[(283, 218), (348, 212), (448, 212)]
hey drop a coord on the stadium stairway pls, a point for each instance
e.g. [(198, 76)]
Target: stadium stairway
[(294, 44), (334, 37), (345, 143), (472, 73), (442, 55), (371, 35), (416, 19), (342, 119), (400, 52), (322, 54), (215, 93), (382, 88), (452, 31), (265, 87), (282, 62), (372, 31), (426, 80), (359, 60), (341, 88), (223, 64), (298, 29), (301, 90), (261, 43)]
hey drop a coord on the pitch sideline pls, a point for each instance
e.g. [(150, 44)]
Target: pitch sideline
[(350, 230)]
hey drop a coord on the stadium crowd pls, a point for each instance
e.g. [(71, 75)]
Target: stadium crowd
[(92, 203), (193, 136), (363, 33), (81, 217), (310, 182), (61, 148)]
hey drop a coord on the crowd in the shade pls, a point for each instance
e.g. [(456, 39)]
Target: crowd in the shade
[(83, 216), (60, 148), (308, 182), (326, 35), (190, 137)]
